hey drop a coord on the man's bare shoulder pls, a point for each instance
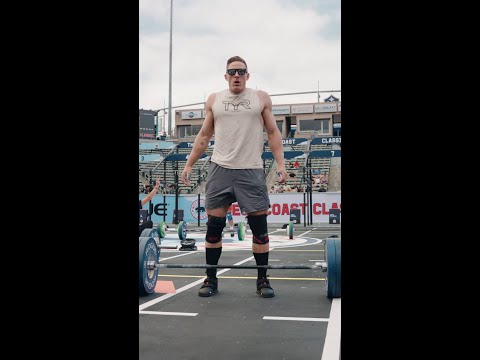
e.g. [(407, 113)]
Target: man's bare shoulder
[(265, 99), (262, 93), (211, 100), (212, 96)]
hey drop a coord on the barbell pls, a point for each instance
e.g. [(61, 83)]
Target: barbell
[(149, 254)]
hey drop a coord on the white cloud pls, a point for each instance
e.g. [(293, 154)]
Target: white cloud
[(289, 46)]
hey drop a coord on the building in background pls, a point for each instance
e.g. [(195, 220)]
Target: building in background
[(304, 120)]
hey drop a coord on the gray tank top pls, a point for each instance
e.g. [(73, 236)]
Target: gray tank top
[(238, 126)]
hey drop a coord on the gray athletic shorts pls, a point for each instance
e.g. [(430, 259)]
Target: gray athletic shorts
[(245, 186)]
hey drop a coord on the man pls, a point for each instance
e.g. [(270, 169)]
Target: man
[(238, 116), (324, 178), (230, 221)]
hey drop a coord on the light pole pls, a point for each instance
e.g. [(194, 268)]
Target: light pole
[(170, 75)]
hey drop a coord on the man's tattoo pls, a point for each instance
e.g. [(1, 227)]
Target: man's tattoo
[(202, 143)]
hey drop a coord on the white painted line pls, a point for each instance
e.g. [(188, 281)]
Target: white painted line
[(317, 260), (186, 287), (167, 313), (299, 250), (169, 295), (304, 233), (294, 318), (331, 348), (172, 257)]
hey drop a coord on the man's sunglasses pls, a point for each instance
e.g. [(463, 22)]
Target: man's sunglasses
[(233, 71)]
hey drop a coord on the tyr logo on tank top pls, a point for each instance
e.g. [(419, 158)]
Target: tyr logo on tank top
[(244, 103)]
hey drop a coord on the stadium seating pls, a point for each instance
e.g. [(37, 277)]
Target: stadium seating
[(165, 170)]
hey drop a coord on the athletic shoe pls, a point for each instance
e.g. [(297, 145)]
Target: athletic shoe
[(264, 289), (209, 287)]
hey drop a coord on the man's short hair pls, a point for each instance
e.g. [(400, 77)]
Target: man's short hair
[(236, 58)]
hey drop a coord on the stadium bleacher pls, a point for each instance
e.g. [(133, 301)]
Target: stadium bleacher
[(165, 159)]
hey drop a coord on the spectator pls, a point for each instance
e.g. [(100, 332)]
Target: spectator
[(146, 187), (324, 178), (230, 221), (148, 224), (276, 187)]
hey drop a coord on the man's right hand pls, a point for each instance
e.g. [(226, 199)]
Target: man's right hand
[(187, 170)]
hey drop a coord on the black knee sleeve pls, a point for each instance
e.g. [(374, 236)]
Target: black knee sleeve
[(258, 225), (215, 227)]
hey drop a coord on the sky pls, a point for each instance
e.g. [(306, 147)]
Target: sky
[(289, 45)]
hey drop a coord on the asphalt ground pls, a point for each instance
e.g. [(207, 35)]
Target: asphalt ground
[(300, 322)]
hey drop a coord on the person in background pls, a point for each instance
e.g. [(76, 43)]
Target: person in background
[(324, 179), (230, 221), (149, 223)]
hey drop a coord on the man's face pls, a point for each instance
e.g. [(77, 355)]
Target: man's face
[(236, 82)]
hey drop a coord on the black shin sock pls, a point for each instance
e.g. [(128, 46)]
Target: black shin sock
[(212, 256), (261, 259)]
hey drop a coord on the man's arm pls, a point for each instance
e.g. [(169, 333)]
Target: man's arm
[(201, 140), (274, 136), (152, 193)]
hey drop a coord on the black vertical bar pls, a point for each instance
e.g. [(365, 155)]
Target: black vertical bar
[(305, 209), (198, 187), (309, 185), (311, 192), (176, 193), (306, 192), (198, 213), (311, 206), (165, 190)]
